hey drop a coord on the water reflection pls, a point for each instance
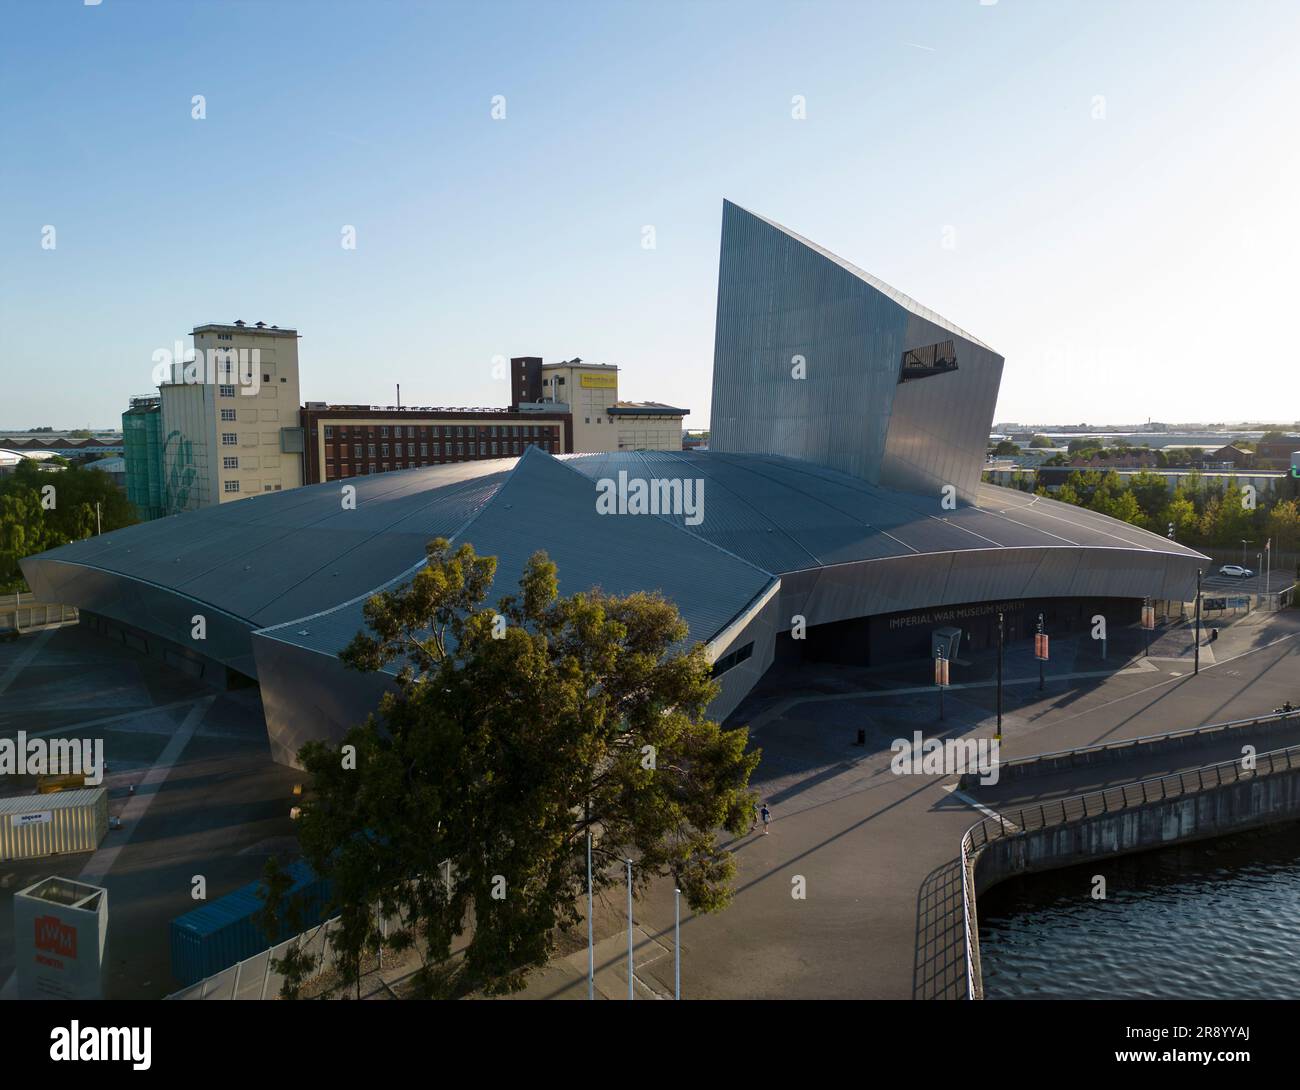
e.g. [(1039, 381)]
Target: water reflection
[(1218, 919)]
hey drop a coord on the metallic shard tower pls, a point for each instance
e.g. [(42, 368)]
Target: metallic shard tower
[(816, 359)]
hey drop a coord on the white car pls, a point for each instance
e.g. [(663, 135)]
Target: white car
[(1236, 571)]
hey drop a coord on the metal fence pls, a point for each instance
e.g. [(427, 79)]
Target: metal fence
[(1147, 739), (974, 973), (20, 613), (1107, 800), (254, 978)]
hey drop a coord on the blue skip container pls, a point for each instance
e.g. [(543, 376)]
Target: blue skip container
[(218, 935)]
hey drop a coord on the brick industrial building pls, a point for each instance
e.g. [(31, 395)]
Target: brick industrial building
[(201, 441), (357, 440), (560, 408)]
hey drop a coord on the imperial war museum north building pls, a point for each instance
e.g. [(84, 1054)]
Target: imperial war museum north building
[(841, 487)]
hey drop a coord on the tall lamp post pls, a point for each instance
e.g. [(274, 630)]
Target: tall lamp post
[(591, 938), (1040, 652), (630, 994), (940, 676), (1197, 668), (1001, 636), (677, 944)]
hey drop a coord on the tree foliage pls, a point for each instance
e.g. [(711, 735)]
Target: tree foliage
[(33, 520), (1217, 516), (508, 735)]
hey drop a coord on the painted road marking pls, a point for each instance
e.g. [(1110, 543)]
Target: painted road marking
[(102, 861), (982, 808), (109, 719)]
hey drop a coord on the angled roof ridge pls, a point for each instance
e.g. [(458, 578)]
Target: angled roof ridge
[(749, 506), (406, 573), (680, 529), (510, 473), (899, 297), (425, 505)]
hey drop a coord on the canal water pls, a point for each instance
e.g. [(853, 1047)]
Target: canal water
[(1218, 919)]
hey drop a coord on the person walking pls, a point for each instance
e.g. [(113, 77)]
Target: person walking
[(766, 815), (753, 819)]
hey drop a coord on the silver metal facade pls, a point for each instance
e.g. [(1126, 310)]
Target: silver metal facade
[(807, 356), (822, 497), (778, 537)]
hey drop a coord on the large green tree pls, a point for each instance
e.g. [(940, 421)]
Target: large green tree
[(1151, 492), (509, 734), (41, 508)]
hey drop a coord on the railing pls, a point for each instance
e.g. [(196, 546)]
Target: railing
[(254, 977), (974, 974), (1092, 804), (1146, 739), (20, 613)]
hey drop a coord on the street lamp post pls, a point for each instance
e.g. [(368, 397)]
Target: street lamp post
[(630, 994), (677, 944), (1041, 660), (940, 676), (1197, 668), (1001, 632), (591, 937)]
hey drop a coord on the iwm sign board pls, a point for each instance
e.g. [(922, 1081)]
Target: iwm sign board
[(60, 928), (953, 616), (897, 637)]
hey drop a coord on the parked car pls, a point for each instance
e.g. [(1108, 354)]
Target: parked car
[(1236, 571)]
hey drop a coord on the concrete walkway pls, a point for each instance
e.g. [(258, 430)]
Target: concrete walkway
[(856, 892), (877, 853)]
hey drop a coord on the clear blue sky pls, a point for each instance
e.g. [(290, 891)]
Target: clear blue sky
[(1140, 264)]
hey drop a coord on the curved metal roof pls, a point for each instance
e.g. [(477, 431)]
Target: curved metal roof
[(298, 566)]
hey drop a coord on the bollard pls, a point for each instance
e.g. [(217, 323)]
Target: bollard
[(862, 737)]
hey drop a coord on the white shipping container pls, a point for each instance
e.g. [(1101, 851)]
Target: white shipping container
[(36, 826)]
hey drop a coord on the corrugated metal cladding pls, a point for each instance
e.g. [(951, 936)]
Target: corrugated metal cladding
[(36, 826), (783, 299), (266, 559), (223, 933), (545, 505), (785, 515)]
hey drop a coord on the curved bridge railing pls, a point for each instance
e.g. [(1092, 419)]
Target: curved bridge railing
[(1092, 804)]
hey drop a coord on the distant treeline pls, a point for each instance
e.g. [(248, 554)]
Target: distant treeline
[(42, 508)]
